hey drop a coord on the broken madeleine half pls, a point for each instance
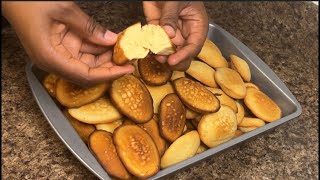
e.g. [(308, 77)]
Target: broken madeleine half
[(97, 112), (132, 98), (49, 82), (172, 117), (137, 151), (181, 149), (135, 42), (73, 96), (195, 96), (102, 146), (154, 73)]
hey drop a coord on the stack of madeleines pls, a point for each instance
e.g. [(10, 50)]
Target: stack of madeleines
[(155, 117)]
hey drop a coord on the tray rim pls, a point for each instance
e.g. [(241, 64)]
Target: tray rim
[(40, 96)]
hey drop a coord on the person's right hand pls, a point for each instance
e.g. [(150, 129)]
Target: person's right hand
[(61, 39)]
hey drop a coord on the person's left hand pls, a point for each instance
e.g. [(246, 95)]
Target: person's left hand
[(186, 23)]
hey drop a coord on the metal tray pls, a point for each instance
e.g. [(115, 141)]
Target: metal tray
[(262, 75)]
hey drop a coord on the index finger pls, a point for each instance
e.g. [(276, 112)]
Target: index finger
[(80, 73), (190, 50)]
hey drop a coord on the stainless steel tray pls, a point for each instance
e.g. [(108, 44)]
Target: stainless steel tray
[(262, 75)]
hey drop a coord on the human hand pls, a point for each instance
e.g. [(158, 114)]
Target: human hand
[(186, 23), (60, 38)]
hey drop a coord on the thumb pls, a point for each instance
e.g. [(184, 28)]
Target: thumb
[(85, 26), (169, 17)]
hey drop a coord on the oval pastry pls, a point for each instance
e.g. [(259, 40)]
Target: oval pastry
[(84, 130), (137, 151), (154, 73), (261, 105), (217, 128), (101, 144), (97, 112), (195, 96), (132, 98), (241, 66), (181, 149), (73, 96), (230, 82), (172, 117), (152, 129)]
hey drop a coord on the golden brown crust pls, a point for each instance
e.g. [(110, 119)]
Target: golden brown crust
[(262, 106), (195, 96), (153, 129), (101, 145), (73, 96), (84, 130), (154, 73), (172, 117), (119, 57), (132, 98), (137, 151)]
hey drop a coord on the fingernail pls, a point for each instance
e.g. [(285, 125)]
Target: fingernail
[(170, 31), (161, 59), (172, 61), (130, 68), (110, 36)]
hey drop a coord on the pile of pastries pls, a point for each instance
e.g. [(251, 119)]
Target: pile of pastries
[(156, 117)]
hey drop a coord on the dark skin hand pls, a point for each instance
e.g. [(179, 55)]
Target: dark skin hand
[(186, 23), (61, 39)]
